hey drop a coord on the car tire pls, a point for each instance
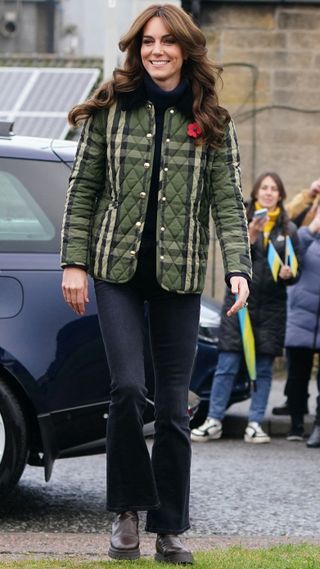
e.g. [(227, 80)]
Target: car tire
[(13, 440)]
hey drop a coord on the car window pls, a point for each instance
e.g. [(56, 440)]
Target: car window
[(20, 215), (32, 195)]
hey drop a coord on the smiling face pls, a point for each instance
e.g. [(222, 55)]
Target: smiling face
[(161, 54), (268, 194)]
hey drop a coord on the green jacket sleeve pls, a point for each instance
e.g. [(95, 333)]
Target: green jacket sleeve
[(227, 206), (87, 180)]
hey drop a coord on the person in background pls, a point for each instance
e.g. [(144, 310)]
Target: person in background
[(157, 153), (267, 310), (301, 210), (303, 332)]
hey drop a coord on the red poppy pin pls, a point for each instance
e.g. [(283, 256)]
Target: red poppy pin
[(194, 130)]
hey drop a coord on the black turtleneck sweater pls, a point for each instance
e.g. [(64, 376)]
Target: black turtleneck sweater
[(161, 100)]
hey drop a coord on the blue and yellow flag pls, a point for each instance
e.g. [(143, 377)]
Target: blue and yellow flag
[(291, 258), (248, 343), (274, 260)]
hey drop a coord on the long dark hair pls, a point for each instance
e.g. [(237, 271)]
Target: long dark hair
[(197, 68), (283, 217)]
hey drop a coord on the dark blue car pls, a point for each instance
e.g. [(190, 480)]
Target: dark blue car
[(54, 379)]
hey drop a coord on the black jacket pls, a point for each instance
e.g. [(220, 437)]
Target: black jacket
[(267, 300)]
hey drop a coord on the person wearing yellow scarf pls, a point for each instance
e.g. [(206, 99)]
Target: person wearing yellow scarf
[(269, 221), (268, 192)]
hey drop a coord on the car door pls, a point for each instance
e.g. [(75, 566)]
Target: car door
[(56, 357)]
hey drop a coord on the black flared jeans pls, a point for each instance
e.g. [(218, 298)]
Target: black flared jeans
[(135, 481)]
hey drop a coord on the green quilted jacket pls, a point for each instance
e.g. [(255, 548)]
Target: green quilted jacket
[(108, 194)]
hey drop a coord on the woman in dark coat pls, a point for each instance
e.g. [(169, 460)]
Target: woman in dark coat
[(267, 310), (303, 332)]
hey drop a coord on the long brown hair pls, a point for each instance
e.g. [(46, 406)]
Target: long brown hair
[(197, 68), (283, 218)]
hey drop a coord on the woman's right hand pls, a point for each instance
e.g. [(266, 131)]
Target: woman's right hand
[(255, 227), (314, 226), (314, 188), (75, 288)]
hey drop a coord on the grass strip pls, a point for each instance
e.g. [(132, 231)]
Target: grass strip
[(303, 556)]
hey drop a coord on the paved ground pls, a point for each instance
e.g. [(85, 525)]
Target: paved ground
[(240, 494), (236, 418)]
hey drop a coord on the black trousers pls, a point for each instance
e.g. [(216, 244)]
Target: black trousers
[(135, 481), (300, 361)]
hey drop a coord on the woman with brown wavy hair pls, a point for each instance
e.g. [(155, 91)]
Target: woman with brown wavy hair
[(196, 67), (156, 154)]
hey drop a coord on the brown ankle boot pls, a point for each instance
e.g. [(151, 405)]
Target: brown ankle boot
[(125, 537), (170, 549)]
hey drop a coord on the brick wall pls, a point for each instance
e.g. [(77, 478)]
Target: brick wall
[(271, 59)]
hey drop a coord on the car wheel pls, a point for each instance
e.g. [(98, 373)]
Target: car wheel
[(13, 440)]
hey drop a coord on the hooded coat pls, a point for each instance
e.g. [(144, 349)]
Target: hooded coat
[(303, 323)]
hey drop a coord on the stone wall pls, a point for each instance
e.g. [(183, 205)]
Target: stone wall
[(271, 59)]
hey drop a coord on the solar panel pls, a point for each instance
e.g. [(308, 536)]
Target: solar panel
[(39, 99)]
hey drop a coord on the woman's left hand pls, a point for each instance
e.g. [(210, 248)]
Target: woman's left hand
[(285, 272), (239, 286)]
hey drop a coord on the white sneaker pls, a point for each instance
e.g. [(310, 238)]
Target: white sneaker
[(254, 434), (210, 430)]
